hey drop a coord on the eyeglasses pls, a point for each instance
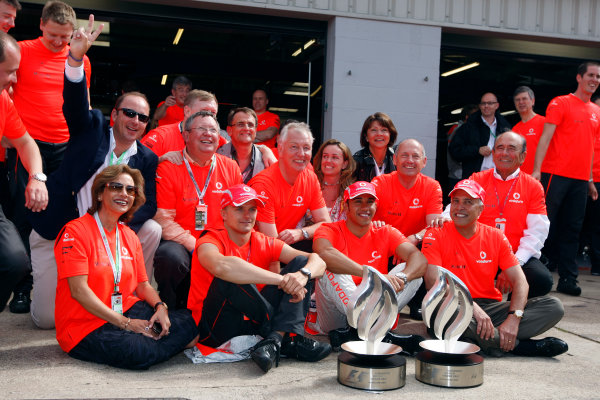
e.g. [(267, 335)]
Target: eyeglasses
[(129, 113), (118, 187), (242, 125), (488, 103), (202, 129)]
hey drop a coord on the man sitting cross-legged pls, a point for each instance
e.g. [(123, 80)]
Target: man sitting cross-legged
[(346, 246), (231, 280)]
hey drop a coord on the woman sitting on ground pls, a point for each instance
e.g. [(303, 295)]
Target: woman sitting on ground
[(100, 266), (376, 157)]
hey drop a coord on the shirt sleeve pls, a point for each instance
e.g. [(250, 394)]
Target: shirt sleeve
[(13, 126), (317, 201), (265, 214), (434, 205), (431, 247), (71, 252), (555, 111), (325, 231), (396, 238), (88, 70), (506, 258)]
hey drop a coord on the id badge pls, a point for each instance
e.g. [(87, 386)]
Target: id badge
[(501, 223), (201, 216), (116, 302)]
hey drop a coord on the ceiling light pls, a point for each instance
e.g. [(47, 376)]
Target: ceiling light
[(85, 22), (293, 93), (177, 36), (282, 109), (461, 69), (309, 43), (301, 84), (317, 90), (511, 112), (457, 111), (294, 54), (451, 123), (163, 82)]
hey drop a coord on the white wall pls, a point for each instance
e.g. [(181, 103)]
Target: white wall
[(394, 69)]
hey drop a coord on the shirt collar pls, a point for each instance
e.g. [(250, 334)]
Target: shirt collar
[(508, 178), (130, 152)]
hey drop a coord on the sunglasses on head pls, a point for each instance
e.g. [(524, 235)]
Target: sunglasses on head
[(118, 187), (129, 113)]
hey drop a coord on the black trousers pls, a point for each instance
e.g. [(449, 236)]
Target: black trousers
[(591, 230), (565, 202), (226, 304), (538, 278), (18, 177), (172, 264), (14, 262)]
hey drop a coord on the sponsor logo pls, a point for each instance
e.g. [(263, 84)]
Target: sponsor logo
[(246, 188), (338, 289), (516, 198), (219, 185), (483, 257), (67, 238), (416, 204), (593, 118), (299, 202), (375, 257)]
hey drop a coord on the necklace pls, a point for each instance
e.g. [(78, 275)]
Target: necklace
[(331, 184)]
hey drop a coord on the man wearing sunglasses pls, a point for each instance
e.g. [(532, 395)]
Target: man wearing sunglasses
[(93, 145)]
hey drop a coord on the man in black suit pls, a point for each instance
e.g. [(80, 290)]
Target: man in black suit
[(93, 145), (473, 143)]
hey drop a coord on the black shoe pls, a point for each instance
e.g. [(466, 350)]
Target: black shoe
[(415, 313), (338, 337), (304, 349), (568, 286), (19, 303), (266, 353), (409, 343), (547, 347)]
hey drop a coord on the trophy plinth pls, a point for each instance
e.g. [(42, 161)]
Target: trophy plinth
[(449, 362), (369, 364)]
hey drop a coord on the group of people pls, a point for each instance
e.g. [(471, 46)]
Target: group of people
[(241, 232)]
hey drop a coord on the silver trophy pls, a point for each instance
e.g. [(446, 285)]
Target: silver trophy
[(447, 361), (368, 363)]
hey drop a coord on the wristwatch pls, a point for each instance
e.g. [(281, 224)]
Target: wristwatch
[(159, 304), (305, 234), (518, 313), (419, 236), (402, 276), (40, 176), (305, 271)]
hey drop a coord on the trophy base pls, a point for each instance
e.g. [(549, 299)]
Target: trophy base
[(449, 370), (371, 374)]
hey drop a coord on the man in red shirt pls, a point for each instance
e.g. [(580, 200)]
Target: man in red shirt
[(347, 246), (268, 122), (170, 111), (8, 14), (235, 291), (515, 205), (474, 252), (37, 95), (188, 197), (15, 262), (563, 163), (289, 188), (530, 126)]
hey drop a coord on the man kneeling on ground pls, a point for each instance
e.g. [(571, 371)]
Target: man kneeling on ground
[(346, 246), (233, 276)]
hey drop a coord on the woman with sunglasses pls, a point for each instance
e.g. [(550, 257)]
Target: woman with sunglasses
[(106, 311), (376, 157)]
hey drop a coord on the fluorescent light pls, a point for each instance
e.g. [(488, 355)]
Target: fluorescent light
[(301, 84), (450, 123), (461, 69), (457, 111), (163, 82), (177, 36), (511, 112), (84, 23), (294, 54), (101, 43), (293, 93), (309, 43), (317, 90), (282, 109)]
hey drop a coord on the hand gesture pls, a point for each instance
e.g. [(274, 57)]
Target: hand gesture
[(83, 38)]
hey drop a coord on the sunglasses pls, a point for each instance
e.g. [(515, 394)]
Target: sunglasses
[(118, 187), (129, 113)]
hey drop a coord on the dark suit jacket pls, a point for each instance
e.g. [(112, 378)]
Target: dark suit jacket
[(469, 137), (88, 145)]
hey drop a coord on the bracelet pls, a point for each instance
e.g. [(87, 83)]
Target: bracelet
[(71, 55), (127, 324)]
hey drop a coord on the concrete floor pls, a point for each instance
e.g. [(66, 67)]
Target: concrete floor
[(33, 366)]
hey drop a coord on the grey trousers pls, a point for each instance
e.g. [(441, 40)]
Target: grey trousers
[(540, 314)]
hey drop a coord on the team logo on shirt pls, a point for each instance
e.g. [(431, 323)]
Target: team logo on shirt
[(375, 257), (125, 253), (483, 256), (219, 187), (299, 202), (593, 118), (516, 198), (531, 132), (246, 189), (416, 204), (67, 237)]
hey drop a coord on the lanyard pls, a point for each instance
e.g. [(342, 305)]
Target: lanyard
[(118, 159), (247, 173), (189, 170), (114, 263), (501, 210)]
